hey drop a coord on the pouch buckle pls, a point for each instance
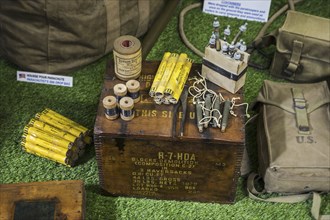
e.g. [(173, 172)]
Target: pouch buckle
[(299, 103), (293, 66), (287, 72), (300, 107)]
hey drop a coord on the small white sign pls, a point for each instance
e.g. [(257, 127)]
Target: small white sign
[(251, 10), (44, 78)]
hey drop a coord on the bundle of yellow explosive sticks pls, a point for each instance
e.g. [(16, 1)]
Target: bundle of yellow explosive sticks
[(170, 78), (55, 137)]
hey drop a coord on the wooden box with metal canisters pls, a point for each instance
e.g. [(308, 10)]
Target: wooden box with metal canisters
[(148, 157)]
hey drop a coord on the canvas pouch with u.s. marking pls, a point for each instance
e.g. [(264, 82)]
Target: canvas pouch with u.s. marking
[(293, 132), (302, 49)]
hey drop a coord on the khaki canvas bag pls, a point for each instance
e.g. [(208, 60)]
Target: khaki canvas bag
[(60, 36), (302, 46), (302, 49), (293, 136)]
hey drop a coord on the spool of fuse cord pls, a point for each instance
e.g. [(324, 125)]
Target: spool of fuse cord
[(120, 91), (126, 105), (110, 107), (127, 57), (133, 87)]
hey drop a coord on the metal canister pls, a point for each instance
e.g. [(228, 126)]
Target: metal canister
[(127, 55)]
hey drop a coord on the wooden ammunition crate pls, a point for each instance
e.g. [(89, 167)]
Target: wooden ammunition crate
[(146, 157), (43, 200)]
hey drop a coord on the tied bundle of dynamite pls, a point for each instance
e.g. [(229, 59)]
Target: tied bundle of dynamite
[(55, 137), (170, 78)]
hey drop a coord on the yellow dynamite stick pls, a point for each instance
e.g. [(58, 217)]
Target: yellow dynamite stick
[(182, 79), (167, 75), (49, 137), (65, 120), (173, 82), (50, 146), (59, 125), (159, 74), (43, 152), (55, 131)]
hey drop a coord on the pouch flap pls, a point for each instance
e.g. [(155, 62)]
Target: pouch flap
[(280, 95), (307, 25), (311, 30)]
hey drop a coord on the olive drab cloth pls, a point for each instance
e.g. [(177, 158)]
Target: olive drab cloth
[(302, 49), (60, 36), (293, 135)]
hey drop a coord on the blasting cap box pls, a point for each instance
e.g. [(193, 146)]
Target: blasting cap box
[(223, 70)]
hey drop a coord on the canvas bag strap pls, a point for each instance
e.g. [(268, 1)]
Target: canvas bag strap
[(317, 200), (300, 108), (294, 64), (258, 41), (253, 192), (291, 4), (263, 40), (316, 205)]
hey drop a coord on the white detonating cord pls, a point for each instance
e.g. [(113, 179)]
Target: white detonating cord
[(199, 90)]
